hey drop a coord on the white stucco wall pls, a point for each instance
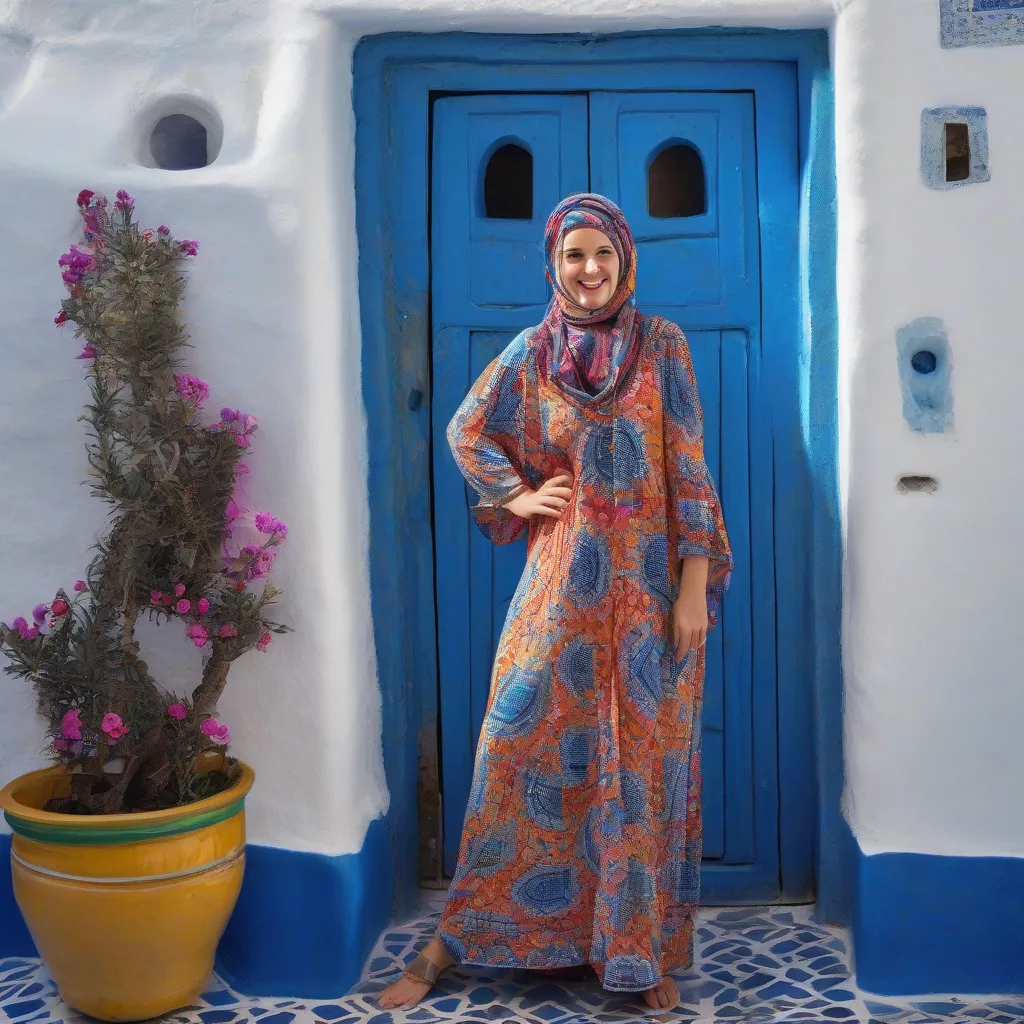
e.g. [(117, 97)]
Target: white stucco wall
[(934, 587), (932, 704)]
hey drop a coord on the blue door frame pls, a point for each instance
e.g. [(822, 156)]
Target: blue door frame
[(394, 79)]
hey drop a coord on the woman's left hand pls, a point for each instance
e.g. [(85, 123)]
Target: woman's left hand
[(689, 621)]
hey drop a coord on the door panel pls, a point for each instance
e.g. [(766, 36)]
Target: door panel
[(493, 277), (487, 285), (700, 270)]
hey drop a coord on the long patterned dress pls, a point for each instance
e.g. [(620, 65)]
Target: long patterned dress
[(582, 838)]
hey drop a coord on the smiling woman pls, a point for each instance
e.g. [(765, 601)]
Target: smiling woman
[(589, 267)]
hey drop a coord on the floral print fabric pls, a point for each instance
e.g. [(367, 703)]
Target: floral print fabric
[(582, 837)]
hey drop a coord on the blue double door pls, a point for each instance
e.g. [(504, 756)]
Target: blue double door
[(682, 166)]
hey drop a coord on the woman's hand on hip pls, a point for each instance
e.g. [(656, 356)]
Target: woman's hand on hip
[(689, 621), (550, 499)]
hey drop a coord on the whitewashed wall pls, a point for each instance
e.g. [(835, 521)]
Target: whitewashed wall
[(932, 588)]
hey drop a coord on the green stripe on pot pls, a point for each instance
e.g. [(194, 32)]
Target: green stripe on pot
[(69, 835)]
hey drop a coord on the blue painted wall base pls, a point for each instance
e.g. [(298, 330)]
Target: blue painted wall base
[(927, 924), (304, 924), (14, 937)]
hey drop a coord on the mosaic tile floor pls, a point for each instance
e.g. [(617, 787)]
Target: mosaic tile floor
[(753, 965)]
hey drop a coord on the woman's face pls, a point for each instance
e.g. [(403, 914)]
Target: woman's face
[(589, 267)]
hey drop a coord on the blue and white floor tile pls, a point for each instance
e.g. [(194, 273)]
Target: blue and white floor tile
[(753, 965)]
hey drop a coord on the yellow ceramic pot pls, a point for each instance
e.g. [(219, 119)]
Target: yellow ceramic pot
[(126, 910)]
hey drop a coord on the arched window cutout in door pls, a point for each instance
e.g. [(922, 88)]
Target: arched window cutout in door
[(675, 182), (508, 183)]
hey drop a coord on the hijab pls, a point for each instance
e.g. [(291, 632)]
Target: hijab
[(591, 350)]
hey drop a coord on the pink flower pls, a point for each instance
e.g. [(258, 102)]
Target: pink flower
[(84, 196), (31, 634), (39, 612), (60, 745), (192, 389), (119, 732), (264, 642), (264, 563), (241, 469), (147, 235), (111, 721), (178, 711), (242, 440), (197, 634), (156, 597), (217, 732), (19, 625), (125, 203), (226, 631), (188, 247), (81, 585), (231, 510), (266, 523), (60, 607), (61, 318), (163, 231), (77, 263), (202, 606), (95, 217), (183, 607), (89, 352), (167, 600), (179, 589), (71, 724)]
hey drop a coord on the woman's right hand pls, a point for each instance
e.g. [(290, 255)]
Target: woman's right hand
[(550, 499)]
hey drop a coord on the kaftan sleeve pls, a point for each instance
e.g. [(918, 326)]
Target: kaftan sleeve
[(696, 524), (486, 436)]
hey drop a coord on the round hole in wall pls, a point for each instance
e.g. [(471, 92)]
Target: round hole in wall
[(178, 133), (924, 361), (179, 142)]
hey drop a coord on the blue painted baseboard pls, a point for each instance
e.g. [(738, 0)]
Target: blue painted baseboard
[(303, 926), (14, 937), (305, 922), (927, 924)]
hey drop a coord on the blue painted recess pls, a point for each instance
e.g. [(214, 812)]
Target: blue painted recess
[(305, 922), (926, 372), (396, 77), (934, 164), (939, 924), (701, 270)]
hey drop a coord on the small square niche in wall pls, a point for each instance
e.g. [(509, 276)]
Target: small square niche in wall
[(954, 146), (981, 22)]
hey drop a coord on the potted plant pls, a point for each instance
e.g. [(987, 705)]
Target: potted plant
[(127, 854)]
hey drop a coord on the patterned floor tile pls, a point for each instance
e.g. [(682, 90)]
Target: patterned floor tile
[(754, 965)]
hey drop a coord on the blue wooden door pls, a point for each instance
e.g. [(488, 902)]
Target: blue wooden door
[(682, 167)]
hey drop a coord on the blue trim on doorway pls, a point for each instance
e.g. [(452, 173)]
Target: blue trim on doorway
[(394, 76), (924, 924)]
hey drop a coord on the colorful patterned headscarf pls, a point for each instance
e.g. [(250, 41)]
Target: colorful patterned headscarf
[(611, 333)]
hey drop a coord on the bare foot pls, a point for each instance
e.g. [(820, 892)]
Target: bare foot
[(407, 992), (664, 995)]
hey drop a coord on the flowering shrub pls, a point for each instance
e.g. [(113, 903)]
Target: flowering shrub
[(179, 544)]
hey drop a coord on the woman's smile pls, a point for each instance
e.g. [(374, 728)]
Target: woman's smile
[(589, 268)]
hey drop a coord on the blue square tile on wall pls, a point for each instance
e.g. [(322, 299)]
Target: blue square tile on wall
[(981, 22)]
